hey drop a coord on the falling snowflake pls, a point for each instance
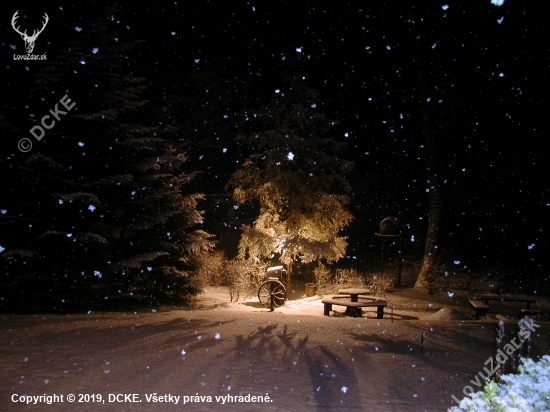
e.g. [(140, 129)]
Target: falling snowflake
[(217, 335), (344, 389), (290, 156), (497, 2), (183, 352)]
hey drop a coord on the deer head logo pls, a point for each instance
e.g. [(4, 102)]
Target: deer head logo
[(29, 40)]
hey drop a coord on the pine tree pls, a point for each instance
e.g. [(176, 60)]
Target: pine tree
[(294, 174)]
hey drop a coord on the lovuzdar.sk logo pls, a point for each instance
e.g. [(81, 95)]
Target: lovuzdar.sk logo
[(29, 40)]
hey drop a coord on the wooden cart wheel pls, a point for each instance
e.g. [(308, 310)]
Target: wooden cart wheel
[(272, 294)]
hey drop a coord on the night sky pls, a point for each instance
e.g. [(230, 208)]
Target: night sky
[(483, 61)]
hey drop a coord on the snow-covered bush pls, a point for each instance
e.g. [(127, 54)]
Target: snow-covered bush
[(378, 283), (330, 281), (244, 276), (525, 392), (323, 279), (211, 268)]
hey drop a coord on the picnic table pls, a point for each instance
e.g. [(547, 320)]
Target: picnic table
[(354, 293), (350, 299), (486, 297)]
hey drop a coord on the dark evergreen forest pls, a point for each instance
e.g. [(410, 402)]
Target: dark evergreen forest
[(431, 112)]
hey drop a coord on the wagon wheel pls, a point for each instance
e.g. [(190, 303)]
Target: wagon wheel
[(272, 294)]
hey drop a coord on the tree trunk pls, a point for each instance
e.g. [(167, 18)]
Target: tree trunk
[(432, 237), (432, 157)]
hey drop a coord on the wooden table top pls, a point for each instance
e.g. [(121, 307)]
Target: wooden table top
[(354, 291)]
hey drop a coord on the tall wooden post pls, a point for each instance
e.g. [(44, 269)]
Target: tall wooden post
[(288, 279)]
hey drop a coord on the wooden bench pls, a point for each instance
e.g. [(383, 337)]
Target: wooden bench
[(354, 307), (480, 308), (491, 296), (531, 312)]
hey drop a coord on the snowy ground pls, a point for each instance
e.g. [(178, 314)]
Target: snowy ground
[(301, 359)]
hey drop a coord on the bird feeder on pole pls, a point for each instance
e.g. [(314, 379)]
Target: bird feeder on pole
[(390, 228)]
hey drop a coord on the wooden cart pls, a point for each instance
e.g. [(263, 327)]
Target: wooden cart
[(272, 292)]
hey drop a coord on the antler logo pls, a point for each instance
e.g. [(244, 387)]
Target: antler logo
[(29, 40)]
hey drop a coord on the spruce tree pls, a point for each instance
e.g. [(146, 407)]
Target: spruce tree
[(104, 210), (294, 175)]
